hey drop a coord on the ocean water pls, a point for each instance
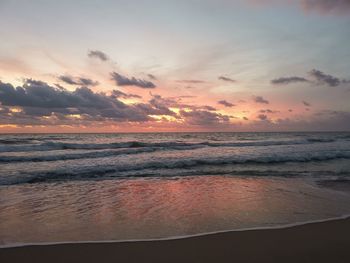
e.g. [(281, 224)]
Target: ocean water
[(96, 187)]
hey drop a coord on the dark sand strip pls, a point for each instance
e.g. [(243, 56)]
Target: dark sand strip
[(314, 242)]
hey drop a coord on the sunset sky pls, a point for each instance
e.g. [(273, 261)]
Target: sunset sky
[(161, 65)]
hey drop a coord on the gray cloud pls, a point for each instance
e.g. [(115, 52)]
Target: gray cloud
[(78, 81), (152, 77), (38, 99), (269, 111), (98, 54), (176, 102), (226, 79), (191, 81), (226, 103), (262, 117), (163, 104), (155, 109), (121, 80), (318, 77), (260, 99), (119, 94), (208, 108), (323, 78), (35, 94), (288, 80), (307, 104), (204, 118)]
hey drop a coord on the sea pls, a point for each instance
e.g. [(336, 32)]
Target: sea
[(57, 188)]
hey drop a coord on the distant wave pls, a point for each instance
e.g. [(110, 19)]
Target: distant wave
[(89, 155), (52, 146), (320, 140), (119, 170), (15, 141), (74, 156)]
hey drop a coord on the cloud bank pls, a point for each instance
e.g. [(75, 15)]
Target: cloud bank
[(38, 103), (42, 102)]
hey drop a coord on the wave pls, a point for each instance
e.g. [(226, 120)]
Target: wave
[(320, 140), (74, 156), (89, 155), (158, 167), (15, 141), (52, 146)]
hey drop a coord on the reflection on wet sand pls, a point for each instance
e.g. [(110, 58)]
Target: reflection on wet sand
[(158, 208)]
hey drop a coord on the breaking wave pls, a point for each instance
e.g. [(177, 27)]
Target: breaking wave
[(52, 146), (142, 169)]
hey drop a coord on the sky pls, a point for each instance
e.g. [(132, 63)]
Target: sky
[(174, 66)]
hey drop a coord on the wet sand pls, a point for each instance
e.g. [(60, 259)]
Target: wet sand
[(315, 242), (339, 185)]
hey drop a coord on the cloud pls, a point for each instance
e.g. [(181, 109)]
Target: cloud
[(208, 108), (150, 109), (204, 118), (307, 104), (262, 117), (98, 54), (323, 78), (119, 94), (176, 102), (227, 79), (260, 99), (326, 6), (163, 104), (37, 100), (269, 111), (191, 81), (78, 81), (318, 77), (288, 80), (121, 80), (152, 77), (226, 103), (185, 96)]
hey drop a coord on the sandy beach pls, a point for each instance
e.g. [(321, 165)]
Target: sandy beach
[(314, 242)]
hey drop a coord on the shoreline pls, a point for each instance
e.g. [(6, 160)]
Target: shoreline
[(326, 241), (286, 226)]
